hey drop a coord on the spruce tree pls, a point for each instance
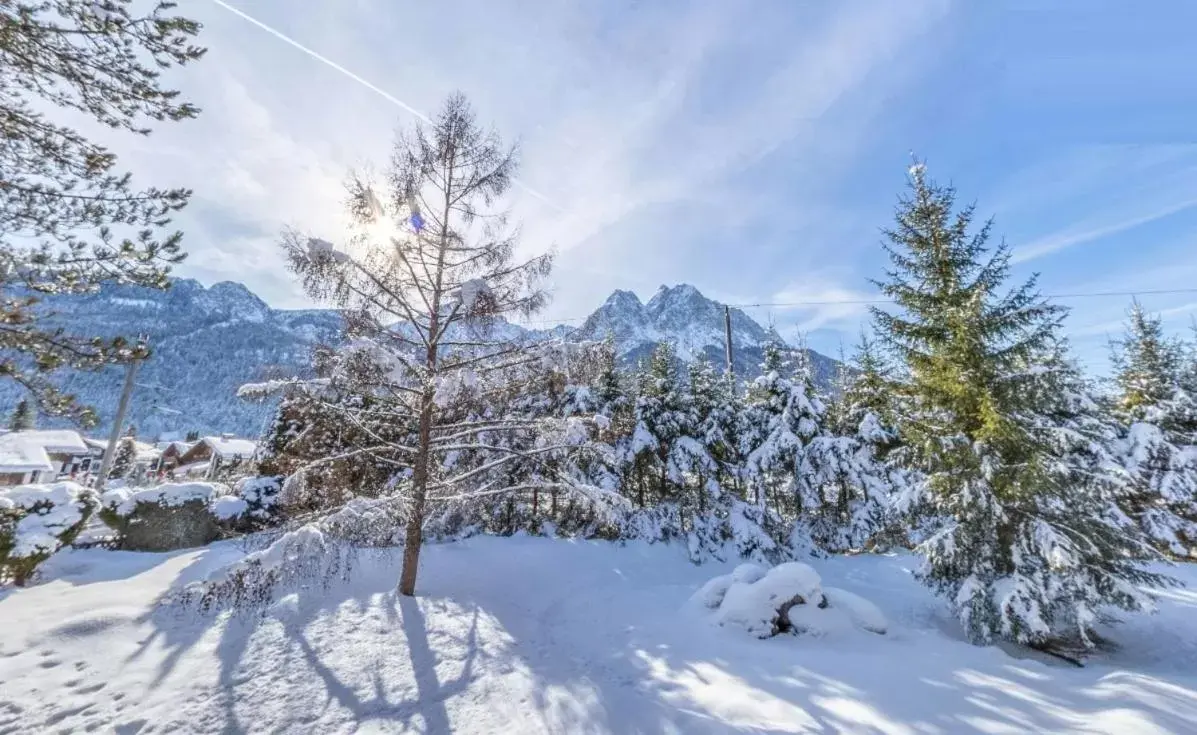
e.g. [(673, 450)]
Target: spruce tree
[(1157, 404), (868, 401), (70, 221), (24, 417), (662, 448), (125, 459), (719, 407), (782, 416), (1030, 543)]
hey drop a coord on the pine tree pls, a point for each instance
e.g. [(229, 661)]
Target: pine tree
[(24, 417), (1158, 405), (69, 220), (1030, 543), (444, 271)]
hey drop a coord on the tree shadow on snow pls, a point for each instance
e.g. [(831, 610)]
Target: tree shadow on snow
[(607, 649)]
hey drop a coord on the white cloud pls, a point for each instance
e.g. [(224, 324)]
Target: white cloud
[(634, 121), (826, 303), (1098, 229)]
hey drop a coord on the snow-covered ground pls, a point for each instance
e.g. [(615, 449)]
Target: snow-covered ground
[(535, 635)]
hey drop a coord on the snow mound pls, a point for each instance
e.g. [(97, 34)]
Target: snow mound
[(228, 507), (748, 573), (789, 598), (759, 608), (711, 594), (171, 495)]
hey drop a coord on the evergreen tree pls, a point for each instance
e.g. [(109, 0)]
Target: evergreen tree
[(869, 396), (718, 407), (61, 195), (125, 459), (1157, 404), (1031, 543), (782, 416), (662, 450), (24, 417)]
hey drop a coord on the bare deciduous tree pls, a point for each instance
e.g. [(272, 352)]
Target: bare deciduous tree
[(426, 283)]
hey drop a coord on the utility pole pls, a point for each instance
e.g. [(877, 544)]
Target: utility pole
[(727, 338), (118, 424)]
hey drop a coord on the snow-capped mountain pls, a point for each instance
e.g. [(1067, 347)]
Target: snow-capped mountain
[(694, 323), (206, 342), (209, 341)]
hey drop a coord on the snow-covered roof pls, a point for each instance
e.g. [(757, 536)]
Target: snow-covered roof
[(18, 454), (195, 468), (180, 446), (146, 452), (226, 447), (58, 441)]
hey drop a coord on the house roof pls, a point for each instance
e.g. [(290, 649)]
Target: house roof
[(57, 441), (228, 447), (19, 454), (145, 452), (180, 446)]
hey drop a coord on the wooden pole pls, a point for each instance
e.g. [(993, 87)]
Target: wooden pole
[(118, 424), (727, 338)]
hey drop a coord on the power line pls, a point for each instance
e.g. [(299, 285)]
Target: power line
[(864, 302)]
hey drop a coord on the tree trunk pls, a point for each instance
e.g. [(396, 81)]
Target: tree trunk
[(419, 496), (414, 536)]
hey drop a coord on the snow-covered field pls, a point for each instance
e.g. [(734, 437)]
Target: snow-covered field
[(535, 635)]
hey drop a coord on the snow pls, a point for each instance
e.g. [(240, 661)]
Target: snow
[(473, 290), (59, 506), (230, 447), (228, 507), (60, 441), (18, 455), (171, 494), (530, 635), (752, 607), (139, 303), (861, 612)]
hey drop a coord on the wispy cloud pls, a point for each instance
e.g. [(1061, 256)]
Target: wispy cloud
[(638, 122), (1095, 230)]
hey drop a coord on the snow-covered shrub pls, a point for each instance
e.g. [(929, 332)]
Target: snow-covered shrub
[(789, 598), (761, 608), (303, 556), (261, 495), (38, 520), (171, 516)]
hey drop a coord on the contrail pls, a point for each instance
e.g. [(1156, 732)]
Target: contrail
[(360, 80)]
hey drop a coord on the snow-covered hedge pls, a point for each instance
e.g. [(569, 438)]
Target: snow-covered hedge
[(38, 520), (172, 516), (304, 556), (789, 598)]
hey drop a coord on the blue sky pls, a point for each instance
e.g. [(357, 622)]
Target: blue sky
[(752, 149)]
